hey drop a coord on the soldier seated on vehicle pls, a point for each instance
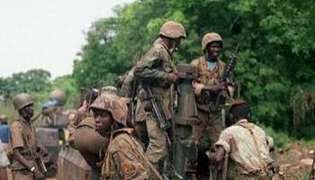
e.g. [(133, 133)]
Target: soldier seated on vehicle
[(76, 116), (246, 145), (124, 158), (81, 118)]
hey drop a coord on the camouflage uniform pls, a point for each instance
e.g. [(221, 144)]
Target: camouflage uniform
[(124, 158), (153, 70), (211, 123), (89, 143), (248, 147), (23, 136)]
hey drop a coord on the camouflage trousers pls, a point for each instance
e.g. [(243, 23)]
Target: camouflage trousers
[(205, 135), (157, 148), (208, 131)]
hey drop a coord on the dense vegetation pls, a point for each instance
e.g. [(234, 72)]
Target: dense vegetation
[(276, 40), (38, 83)]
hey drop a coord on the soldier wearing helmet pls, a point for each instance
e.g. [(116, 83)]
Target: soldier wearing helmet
[(23, 141), (124, 158), (210, 69), (59, 96), (246, 145), (157, 72), (53, 112)]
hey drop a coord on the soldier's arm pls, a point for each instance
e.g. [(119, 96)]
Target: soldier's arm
[(150, 68), (127, 161), (219, 154), (19, 157), (18, 145)]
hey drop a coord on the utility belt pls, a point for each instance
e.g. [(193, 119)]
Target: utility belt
[(261, 174)]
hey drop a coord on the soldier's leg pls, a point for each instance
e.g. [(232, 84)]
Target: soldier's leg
[(23, 175), (203, 142), (157, 148), (215, 127)]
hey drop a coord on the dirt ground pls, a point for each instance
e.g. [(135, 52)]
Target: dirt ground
[(296, 161)]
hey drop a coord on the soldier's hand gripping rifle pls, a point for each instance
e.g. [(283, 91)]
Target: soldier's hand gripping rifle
[(215, 95)]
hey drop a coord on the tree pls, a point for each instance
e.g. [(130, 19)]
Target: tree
[(275, 38)]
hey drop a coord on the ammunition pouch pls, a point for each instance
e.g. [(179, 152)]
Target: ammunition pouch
[(211, 101)]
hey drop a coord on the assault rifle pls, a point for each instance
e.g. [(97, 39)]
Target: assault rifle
[(131, 104), (213, 96), (157, 109)]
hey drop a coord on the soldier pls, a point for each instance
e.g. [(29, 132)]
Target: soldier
[(53, 111), (82, 113), (210, 69), (25, 164), (124, 158), (246, 145), (85, 139), (156, 72)]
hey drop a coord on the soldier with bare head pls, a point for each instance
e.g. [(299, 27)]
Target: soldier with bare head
[(244, 148), (156, 72), (124, 158), (23, 141)]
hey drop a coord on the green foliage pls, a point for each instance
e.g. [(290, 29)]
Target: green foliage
[(280, 139), (38, 84), (34, 80), (275, 38)]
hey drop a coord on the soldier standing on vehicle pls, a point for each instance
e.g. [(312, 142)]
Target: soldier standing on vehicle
[(245, 146), (25, 164), (210, 69), (156, 73), (124, 158)]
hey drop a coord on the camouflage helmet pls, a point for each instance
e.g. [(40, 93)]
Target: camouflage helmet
[(116, 105), (22, 100), (173, 30), (209, 38), (58, 95)]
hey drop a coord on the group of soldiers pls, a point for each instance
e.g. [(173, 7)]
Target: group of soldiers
[(164, 122)]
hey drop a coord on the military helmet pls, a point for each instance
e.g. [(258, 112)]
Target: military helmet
[(173, 30), (116, 105), (209, 38), (58, 95), (22, 100)]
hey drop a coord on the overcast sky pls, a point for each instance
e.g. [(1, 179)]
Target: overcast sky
[(46, 33)]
